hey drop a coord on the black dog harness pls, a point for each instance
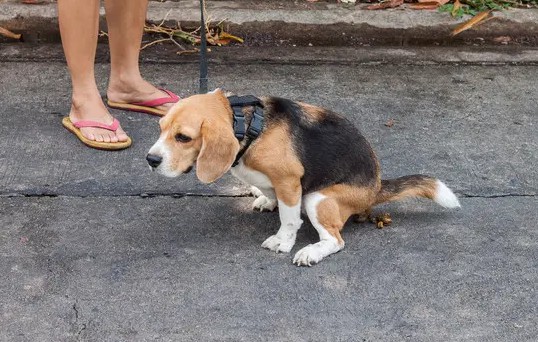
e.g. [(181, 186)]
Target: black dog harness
[(256, 123)]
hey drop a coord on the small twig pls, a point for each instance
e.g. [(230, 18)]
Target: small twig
[(7, 33), (178, 45), (154, 42), (195, 50), (196, 30), (165, 17)]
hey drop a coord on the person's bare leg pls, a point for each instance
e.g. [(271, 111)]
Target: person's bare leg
[(79, 23), (125, 21)]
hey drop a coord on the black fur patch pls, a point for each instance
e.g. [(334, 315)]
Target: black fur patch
[(331, 150)]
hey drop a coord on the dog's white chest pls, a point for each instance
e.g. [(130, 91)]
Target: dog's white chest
[(250, 176)]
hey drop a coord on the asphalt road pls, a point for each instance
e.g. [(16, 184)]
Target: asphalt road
[(94, 247)]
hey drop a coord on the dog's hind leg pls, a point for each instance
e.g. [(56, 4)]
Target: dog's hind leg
[(328, 210), (324, 214)]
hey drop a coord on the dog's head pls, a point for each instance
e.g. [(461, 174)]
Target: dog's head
[(196, 130)]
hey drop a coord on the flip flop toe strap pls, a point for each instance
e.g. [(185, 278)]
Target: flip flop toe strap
[(172, 98), (87, 123)]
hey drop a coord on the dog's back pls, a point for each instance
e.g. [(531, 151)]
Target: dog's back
[(330, 147)]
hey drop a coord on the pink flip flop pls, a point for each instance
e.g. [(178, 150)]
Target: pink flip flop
[(148, 107), (101, 145)]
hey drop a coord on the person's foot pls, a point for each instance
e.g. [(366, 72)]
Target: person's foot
[(136, 91), (92, 108)]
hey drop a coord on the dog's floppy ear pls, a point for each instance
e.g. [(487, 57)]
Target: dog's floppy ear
[(219, 149)]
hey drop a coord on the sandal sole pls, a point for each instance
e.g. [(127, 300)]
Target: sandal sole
[(66, 122)]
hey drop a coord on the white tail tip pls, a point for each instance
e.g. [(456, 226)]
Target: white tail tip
[(445, 197)]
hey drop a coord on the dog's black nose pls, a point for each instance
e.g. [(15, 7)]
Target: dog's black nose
[(154, 160)]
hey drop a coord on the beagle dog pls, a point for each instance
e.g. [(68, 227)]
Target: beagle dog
[(304, 157)]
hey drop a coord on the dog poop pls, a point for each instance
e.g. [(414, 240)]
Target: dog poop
[(382, 220)]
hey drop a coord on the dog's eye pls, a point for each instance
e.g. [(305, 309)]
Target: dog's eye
[(182, 138)]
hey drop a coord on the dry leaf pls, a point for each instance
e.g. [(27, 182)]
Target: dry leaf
[(472, 22), (428, 4), (7, 33), (220, 42), (224, 35), (386, 4), (457, 6), (425, 5), (389, 123)]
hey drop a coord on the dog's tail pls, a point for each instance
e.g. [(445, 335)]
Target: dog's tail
[(417, 186)]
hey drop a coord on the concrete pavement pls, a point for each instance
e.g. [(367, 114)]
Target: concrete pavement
[(192, 269), (95, 247)]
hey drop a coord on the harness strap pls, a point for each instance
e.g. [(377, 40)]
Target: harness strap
[(256, 123)]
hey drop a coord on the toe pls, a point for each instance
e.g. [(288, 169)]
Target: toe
[(99, 138), (304, 257), (255, 192), (88, 135), (106, 138), (121, 135)]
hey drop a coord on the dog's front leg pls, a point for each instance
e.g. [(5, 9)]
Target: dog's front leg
[(288, 194)]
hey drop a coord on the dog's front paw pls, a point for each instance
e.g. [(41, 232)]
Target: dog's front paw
[(312, 254), (307, 256), (277, 244), (264, 203)]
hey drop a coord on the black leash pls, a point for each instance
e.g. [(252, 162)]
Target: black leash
[(203, 52)]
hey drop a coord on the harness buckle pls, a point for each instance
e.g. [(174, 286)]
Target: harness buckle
[(256, 124), (239, 123)]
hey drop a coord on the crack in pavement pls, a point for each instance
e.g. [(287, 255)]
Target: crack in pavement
[(75, 324), (182, 195), (496, 195), (141, 195), (76, 311)]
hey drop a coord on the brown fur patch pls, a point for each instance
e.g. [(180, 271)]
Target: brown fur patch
[(329, 216), (342, 202), (351, 199), (313, 112), (273, 155)]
